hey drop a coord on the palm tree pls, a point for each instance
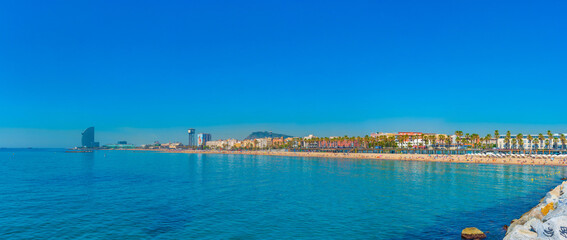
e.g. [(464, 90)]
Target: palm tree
[(508, 137), (487, 138), (458, 134), (530, 139), (520, 140), (549, 137), (476, 139), (442, 138), (405, 138), (547, 143), (563, 140), (496, 136), (392, 141), (540, 138)]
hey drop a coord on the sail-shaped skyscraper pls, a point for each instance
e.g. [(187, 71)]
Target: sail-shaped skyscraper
[(87, 141)]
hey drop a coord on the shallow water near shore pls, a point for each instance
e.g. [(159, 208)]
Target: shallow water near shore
[(48, 193)]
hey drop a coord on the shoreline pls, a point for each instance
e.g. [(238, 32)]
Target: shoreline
[(556, 161)]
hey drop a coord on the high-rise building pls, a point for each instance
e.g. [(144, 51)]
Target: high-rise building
[(87, 140), (191, 133), (203, 138)]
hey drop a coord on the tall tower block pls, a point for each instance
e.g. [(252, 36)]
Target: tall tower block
[(191, 133)]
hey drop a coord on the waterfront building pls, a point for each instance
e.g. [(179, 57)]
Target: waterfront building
[(410, 139), (380, 134), (262, 142), (411, 135), (222, 144), (248, 143), (191, 132), (341, 143), (276, 142), (174, 145), (230, 143), (88, 136), (311, 136), (203, 138), (537, 143), (218, 144)]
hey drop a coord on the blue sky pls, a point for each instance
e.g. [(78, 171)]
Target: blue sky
[(146, 70)]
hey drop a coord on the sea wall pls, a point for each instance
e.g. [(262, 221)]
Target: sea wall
[(547, 220)]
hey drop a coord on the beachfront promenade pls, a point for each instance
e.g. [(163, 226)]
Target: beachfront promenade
[(520, 159)]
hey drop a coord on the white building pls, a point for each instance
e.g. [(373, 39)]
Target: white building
[(222, 144), (309, 137), (263, 142), (174, 145), (412, 143), (536, 142), (218, 144)]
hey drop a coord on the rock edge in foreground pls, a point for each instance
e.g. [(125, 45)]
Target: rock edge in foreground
[(547, 220)]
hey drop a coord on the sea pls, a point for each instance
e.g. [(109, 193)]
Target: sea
[(51, 194)]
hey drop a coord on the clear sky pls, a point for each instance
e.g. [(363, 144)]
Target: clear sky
[(147, 70)]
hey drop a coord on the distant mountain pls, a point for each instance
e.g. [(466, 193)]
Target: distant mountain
[(255, 135)]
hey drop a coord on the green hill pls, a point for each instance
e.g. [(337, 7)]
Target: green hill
[(266, 134)]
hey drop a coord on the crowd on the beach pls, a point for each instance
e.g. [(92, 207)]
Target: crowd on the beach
[(468, 158)]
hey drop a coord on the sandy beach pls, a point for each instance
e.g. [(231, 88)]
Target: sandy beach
[(527, 160)]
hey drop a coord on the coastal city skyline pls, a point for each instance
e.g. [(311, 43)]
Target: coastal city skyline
[(69, 138), (285, 67), (459, 141), (277, 119)]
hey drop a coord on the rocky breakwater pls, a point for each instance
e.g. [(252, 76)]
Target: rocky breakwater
[(547, 220)]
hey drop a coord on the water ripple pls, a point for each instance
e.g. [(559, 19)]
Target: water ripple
[(132, 195)]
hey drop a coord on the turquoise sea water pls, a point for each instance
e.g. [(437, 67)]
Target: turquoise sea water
[(145, 195)]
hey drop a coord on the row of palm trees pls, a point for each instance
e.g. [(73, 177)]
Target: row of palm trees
[(535, 142), (459, 140)]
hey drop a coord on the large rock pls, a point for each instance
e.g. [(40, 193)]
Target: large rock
[(515, 223), (521, 233), (562, 201), (549, 207), (472, 233), (554, 192), (534, 213), (551, 199), (561, 210), (533, 224), (554, 228)]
